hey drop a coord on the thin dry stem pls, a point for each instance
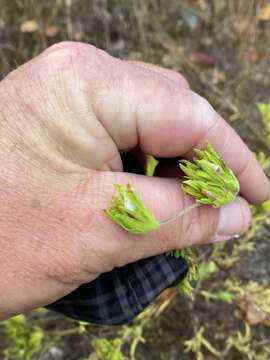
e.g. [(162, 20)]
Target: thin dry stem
[(179, 214)]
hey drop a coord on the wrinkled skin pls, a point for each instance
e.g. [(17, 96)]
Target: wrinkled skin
[(65, 117)]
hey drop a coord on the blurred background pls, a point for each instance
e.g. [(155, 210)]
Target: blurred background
[(222, 47)]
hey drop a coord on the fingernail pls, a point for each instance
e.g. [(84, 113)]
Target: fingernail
[(234, 219), (220, 238)]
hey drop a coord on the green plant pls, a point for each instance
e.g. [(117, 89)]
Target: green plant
[(107, 350), (256, 294), (198, 343), (128, 211), (241, 342), (263, 160), (264, 109), (151, 164), (208, 180), (128, 336), (26, 338), (185, 286), (221, 295)]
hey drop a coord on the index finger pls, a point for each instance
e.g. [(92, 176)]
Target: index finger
[(186, 123)]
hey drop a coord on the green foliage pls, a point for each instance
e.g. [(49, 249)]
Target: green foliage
[(208, 179), (263, 160), (221, 295), (264, 354), (151, 164), (128, 336), (259, 215), (107, 350), (82, 325), (189, 255), (264, 109), (135, 336), (241, 342), (254, 297), (206, 269), (26, 338), (258, 294), (128, 211), (198, 343), (185, 286)]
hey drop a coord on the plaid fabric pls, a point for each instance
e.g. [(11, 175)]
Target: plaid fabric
[(117, 296)]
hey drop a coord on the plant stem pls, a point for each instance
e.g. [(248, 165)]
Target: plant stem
[(60, 333), (179, 214)]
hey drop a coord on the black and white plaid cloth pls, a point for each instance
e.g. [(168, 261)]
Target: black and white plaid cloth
[(117, 296)]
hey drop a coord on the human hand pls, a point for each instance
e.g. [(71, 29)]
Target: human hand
[(65, 117)]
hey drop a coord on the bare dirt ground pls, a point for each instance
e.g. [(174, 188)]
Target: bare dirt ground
[(222, 48)]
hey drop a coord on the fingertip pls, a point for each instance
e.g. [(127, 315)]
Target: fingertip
[(234, 218)]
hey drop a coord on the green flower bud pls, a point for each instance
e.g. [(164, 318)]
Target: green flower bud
[(208, 179), (128, 211)]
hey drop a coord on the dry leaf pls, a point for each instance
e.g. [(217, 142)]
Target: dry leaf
[(254, 55), (264, 13), (218, 76), (250, 313), (242, 25), (167, 294), (202, 58), (266, 322), (29, 26), (51, 31)]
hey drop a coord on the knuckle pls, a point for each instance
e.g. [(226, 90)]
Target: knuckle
[(68, 48), (69, 57), (59, 45), (64, 56)]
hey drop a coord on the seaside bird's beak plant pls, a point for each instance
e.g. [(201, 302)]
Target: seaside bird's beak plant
[(127, 210), (207, 180)]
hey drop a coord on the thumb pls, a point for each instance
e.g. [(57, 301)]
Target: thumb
[(165, 198)]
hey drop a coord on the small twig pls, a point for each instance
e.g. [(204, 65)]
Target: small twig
[(204, 254)]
